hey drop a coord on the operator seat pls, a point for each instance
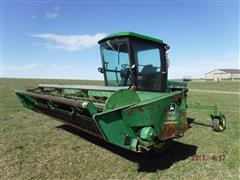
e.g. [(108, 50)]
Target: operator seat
[(124, 74), (148, 74)]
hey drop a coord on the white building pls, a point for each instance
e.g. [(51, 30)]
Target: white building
[(223, 74)]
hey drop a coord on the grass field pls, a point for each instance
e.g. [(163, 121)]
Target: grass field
[(34, 146), (213, 85)]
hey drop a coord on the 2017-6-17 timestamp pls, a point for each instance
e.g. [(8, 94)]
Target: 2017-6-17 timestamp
[(212, 157)]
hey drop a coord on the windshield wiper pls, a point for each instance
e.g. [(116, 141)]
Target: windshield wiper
[(110, 45), (117, 51)]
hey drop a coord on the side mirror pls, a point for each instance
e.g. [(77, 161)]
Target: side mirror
[(168, 63), (101, 70)]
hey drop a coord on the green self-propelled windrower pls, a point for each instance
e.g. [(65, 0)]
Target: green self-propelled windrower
[(137, 109)]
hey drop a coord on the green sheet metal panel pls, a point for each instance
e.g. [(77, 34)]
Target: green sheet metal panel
[(121, 98), (149, 95), (113, 127), (177, 84)]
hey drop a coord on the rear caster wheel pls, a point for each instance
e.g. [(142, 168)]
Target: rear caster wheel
[(219, 123)]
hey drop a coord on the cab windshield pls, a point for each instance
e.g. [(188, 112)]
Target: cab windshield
[(116, 63)]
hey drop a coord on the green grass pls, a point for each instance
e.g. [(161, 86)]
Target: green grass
[(212, 85), (34, 146)]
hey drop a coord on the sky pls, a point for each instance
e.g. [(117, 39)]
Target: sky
[(58, 39)]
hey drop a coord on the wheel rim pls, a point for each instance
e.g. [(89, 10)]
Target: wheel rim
[(219, 123)]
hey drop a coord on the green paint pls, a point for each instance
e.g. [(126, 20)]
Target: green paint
[(105, 94), (135, 120), (90, 107), (121, 98), (133, 145), (27, 101), (132, 34), (147, 133)]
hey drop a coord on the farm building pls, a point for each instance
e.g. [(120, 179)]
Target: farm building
[(223, 74)]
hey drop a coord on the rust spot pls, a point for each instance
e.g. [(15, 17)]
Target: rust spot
[(183, 113), (176, 97), (184, 128), (169, 130), (139, 109)]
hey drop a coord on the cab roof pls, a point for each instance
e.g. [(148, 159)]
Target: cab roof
[(132, 34)]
